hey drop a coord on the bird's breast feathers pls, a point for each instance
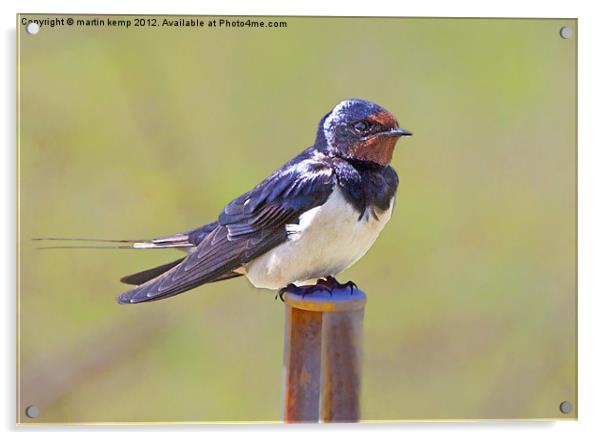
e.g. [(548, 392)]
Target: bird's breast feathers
[(327, 239)]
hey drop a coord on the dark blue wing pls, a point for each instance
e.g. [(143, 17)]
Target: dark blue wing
[(248, 227)]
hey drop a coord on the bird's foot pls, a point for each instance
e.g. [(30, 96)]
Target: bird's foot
[(324, 285), (328, 284), (320, 286), (333, 284), (350, 285)]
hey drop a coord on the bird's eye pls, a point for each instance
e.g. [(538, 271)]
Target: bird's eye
[(361, 126)]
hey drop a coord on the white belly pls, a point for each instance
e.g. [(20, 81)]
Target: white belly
[(327, 240)]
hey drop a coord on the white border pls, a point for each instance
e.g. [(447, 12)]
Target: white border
[(590, 211)]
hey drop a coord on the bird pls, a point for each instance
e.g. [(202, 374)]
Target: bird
[(299, 228)]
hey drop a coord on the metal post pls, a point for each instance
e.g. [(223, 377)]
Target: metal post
[(341, 365), (322, 356), (302, 346)]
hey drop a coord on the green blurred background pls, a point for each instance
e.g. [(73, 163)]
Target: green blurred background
[(142, 132)]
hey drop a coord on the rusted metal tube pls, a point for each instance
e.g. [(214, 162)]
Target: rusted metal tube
[(322, 356), (302, 348), (341, 365)]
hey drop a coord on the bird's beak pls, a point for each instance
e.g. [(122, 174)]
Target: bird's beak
[(396, 132)]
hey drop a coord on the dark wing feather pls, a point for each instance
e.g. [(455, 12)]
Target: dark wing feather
[(248, 227), (141, 277)]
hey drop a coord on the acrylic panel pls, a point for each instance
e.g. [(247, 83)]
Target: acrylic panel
[(134, 127)]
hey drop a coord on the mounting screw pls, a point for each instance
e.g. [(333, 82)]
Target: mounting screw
[(566, 32), (32, 411), (566, 407), (32, 28)]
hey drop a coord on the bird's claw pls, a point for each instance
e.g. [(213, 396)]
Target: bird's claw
[(320, 286), (328, 284), (350, 285), (334, 284), (280, 294)]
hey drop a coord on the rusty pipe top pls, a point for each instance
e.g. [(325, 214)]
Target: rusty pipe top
[(342, 299)]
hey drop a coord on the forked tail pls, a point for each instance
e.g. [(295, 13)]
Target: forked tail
[(178, 241)]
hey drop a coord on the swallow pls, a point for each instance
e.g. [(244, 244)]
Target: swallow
[(300, 227)]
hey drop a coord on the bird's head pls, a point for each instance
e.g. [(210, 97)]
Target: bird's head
[(360, 130)]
